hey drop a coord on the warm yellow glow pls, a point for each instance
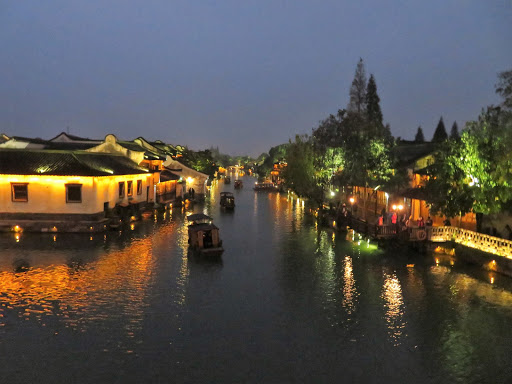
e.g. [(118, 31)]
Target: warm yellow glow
[(132, 226), (400, 207), (437, 261), (334, 224), (394, 207), (190, 180), (54, 238), (492, 280), (352, 200), (54, 229), (17, 237), (17, 228)]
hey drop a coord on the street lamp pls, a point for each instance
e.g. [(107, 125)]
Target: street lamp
[(352, 201)]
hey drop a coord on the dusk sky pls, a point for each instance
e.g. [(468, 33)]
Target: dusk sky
[(243, 75)]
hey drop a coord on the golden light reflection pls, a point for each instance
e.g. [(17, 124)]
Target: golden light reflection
[(394, 306), (350, 293), (76, 294)]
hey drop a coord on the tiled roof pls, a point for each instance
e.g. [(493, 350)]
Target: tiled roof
[(70, 145), (409, 152), (65, 163), (73, 137), (167, 175)]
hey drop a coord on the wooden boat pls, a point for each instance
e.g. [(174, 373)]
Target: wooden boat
[(238, 184), (203, 236), (266, 186), (227, 200), (227, 180)]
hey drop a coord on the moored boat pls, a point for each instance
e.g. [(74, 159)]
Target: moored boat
[(266, 186), (238, 184), (227, 200), (203, 236)]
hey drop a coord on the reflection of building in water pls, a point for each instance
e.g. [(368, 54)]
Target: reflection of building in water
[(394, 306), (112, 288)]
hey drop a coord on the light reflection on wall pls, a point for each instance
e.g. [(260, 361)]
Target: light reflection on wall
[(394, 307)]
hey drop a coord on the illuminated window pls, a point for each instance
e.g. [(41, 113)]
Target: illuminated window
[(121, 189), (19, 192), (139, 187), (73, 193), (130, 188)]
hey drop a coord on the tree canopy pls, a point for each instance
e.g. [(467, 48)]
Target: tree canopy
[(474, 173), (358, 90), (373, 111), (419, 138), (440, 134), (504, 88), (454, 133)]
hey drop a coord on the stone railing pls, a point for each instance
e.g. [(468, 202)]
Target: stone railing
[(480, 241)]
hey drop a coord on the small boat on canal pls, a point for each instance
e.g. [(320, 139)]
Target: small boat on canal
[(266, 186), (238, 184), (227, 200), (203, 236), (227, 180)]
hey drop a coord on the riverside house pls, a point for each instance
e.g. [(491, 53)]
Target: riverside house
[(67, 190)]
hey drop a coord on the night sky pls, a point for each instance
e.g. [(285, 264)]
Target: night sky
[(243, 75)]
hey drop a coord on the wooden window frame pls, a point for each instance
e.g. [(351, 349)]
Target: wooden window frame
[(67, 193), (13, 194), (122, 189), (139, 187), (129, 188)]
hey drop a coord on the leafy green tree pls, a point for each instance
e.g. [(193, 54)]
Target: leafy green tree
[(454, 133), (447, 189), (367, 159), (358, 90), (277, 153), (201, 161), (440, 134), (419, 138), (300, 173), (487, 160), (475, 173)]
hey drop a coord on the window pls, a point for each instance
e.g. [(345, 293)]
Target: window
[(19, 192), (139, 187), (73, 193), (130, 188), (121, 189)]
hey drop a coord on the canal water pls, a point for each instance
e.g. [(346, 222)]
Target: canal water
[(287, 303)]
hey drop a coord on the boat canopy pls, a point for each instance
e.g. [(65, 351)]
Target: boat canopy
[(199, 217)]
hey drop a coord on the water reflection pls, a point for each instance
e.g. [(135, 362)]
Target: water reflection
[(350, 293), (394, 307)]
